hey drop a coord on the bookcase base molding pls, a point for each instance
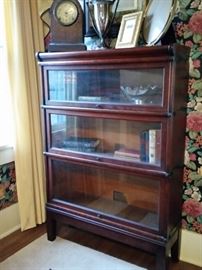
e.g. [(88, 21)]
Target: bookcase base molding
[(161, 248)]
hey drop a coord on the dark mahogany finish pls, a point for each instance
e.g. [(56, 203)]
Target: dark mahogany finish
[(131, 200)]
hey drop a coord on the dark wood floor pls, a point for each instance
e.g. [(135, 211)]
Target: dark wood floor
[(17, 240)]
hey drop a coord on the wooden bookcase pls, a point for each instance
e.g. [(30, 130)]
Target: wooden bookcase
[(114, 131)]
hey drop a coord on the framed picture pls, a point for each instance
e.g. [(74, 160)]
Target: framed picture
[(129, 30), (131, 5)]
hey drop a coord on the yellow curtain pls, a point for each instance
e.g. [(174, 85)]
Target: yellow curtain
[(24, 36)]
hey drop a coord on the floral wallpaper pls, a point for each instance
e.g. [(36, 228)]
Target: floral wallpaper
[(8, 193), (188, 27)]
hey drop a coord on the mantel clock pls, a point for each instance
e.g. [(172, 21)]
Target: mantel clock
[(66, 28)]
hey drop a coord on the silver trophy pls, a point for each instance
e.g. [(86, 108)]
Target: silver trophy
[(102, 17)]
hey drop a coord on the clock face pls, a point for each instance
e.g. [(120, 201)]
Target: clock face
[(66, 12)]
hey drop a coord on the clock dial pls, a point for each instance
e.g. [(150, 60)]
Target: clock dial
[(66, 13)]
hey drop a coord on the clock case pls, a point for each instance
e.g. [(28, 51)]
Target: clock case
[(66, 37)]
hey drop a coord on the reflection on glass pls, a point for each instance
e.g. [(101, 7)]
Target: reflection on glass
[(108, 138), (125, 196), (62, 85), (126, 86)]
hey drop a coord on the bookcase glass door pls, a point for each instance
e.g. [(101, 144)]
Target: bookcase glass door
[(125, 86), (125, 196), (115, 139)]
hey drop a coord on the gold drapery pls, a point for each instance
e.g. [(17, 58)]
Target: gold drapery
[(24, 37)]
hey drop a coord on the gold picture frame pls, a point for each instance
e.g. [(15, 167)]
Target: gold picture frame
[(129, 30)]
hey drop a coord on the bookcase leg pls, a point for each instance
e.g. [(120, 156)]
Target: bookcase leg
[(162, 259), (175, 250), (51, 229)]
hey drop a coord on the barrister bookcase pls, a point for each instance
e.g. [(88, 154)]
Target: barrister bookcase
[(114, 136)]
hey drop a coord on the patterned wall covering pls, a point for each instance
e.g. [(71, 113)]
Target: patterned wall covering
[(188, 26), (8, 193)]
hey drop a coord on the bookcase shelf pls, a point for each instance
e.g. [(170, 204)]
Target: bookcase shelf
[(114, 130)]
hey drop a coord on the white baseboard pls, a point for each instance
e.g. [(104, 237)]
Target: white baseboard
[(191, 248), (10, 220), (17, 227)]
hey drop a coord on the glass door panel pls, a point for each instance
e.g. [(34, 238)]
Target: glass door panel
[(125, 86), (125, 196), (109, 138)]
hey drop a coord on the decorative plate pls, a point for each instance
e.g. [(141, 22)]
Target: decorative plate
[(158, 17)]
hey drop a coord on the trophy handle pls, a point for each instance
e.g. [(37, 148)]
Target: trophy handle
[(91, 17), (112, 20)]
